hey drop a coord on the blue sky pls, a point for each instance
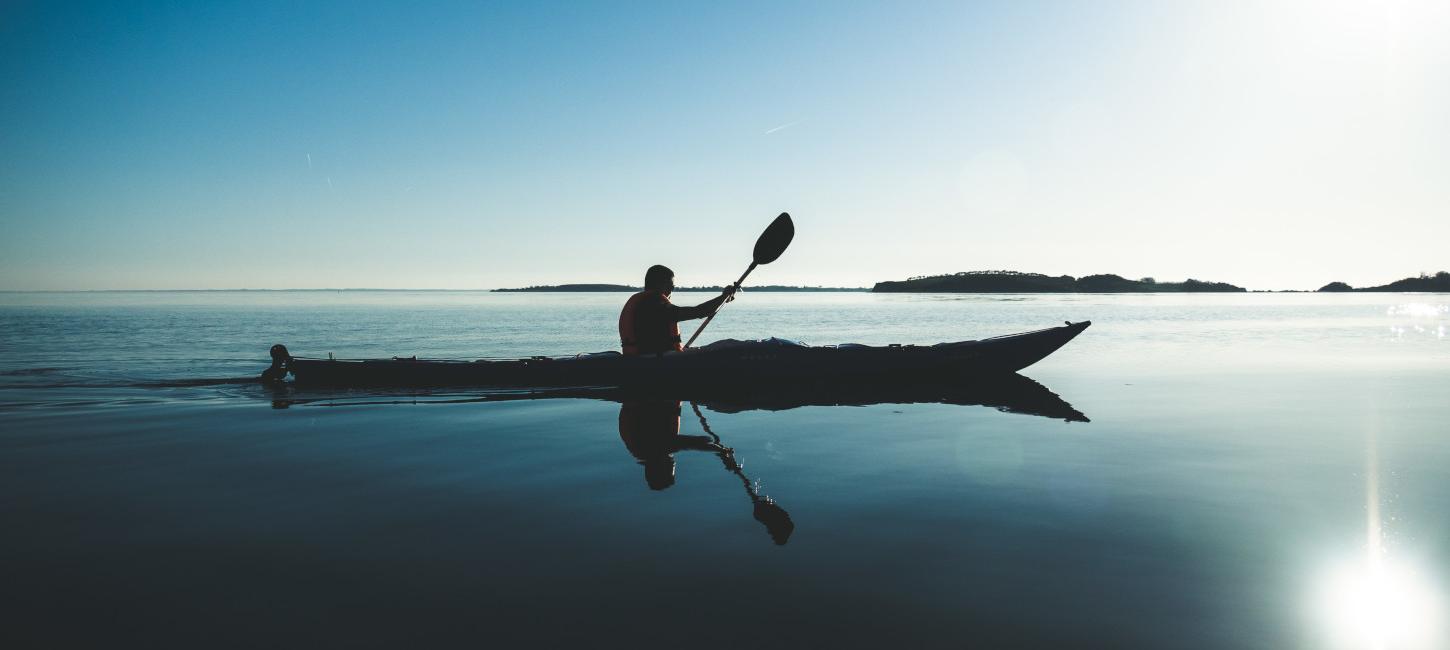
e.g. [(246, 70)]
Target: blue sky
[(272, 145)]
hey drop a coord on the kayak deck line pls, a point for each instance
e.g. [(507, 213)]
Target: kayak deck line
[(1078, 327), (769, 360)]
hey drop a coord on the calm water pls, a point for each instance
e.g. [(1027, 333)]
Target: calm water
[(1259, 471)]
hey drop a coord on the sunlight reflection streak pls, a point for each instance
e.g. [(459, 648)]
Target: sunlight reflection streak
[(1381, 602)]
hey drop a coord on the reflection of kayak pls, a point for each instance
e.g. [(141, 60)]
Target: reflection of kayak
[(1009, 393), (732, 362)]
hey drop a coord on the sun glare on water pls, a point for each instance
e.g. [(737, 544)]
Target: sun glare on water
[(1381, 605), (1418, 310), (1381, 601)]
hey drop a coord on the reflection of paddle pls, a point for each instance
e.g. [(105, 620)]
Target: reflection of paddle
[(776, 519), (771, 244)]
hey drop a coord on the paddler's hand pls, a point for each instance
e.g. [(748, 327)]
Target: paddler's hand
[(729, 292)]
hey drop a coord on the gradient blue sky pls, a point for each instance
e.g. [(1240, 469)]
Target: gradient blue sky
[(362, 144)]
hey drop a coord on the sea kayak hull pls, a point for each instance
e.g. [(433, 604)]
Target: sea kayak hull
[(756, 361)]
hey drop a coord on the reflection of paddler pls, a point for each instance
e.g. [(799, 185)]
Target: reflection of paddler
[(650, 430)]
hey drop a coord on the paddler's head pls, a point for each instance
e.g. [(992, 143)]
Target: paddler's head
[(659, 471), (659, 278)]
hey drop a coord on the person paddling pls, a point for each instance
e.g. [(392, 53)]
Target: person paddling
[(649, 322)]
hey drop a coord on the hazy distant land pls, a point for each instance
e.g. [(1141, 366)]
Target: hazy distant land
[(1440, 282), (1019, 282), (1016, 282)]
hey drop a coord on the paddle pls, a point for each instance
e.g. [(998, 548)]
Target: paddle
[(765, 510), (768, 247)]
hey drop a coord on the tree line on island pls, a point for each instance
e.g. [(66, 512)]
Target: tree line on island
[(1440, 282), (1019, 282)]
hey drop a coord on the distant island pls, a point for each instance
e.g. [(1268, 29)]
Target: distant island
[(1440, 282), (1017, 282), (573, 287), (625, 287)]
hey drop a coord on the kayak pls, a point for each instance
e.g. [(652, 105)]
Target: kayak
[(772, 360), (722, 362)]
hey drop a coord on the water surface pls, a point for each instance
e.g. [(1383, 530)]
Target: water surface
[(1259, 471)]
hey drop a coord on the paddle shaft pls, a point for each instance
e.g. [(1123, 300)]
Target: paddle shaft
[(712, 316), (728, 457), (766, 511)]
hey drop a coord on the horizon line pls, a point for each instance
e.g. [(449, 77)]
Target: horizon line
[(678, 290), (496, 289)]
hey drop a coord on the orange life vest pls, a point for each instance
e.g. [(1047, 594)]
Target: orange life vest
[(648, 335)]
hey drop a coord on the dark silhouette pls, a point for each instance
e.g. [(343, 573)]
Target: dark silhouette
[(771, 361), (1438, 283), (1016, 282), (650, 429), (768, 248), (281, 360), (1012, 393), (765, 510), (649, 322)]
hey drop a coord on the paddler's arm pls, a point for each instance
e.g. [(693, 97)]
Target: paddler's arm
[(703, 309), (697, 443)]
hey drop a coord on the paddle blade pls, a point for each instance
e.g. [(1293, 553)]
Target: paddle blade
[(776, 519), (774, 240)]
